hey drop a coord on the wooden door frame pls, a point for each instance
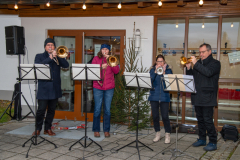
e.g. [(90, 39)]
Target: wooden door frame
[(78, 34)]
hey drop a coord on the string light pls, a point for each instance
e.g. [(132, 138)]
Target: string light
[(119, 5), (160, 3), (201, 2), (48, 4), (203, 25), (232, 24), (84, 7), (176, 25), (16, 6)]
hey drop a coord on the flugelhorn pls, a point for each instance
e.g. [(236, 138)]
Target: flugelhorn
[(62, 52), (184, 60), (159, 70)]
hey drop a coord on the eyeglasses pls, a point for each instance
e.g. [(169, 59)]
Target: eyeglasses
[(160, 61), (202, 51)]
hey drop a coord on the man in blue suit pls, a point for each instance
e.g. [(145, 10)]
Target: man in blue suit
[(49, 90)]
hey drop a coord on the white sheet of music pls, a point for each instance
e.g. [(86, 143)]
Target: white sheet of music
[(130, 79), (27, 71), (43, 71), (185, 82), (144, 80), (78, 71)]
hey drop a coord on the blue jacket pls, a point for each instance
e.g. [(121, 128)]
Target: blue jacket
[(157, 93), (50, 89)]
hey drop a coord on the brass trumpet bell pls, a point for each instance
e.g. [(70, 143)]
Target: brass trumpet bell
[(184, 60), (159, 70), (112, 61), (62, 51)]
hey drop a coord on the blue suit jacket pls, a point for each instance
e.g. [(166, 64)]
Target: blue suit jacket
[(50, 89), (157, 93)]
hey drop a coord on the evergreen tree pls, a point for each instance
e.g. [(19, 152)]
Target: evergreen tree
[(125, 100)]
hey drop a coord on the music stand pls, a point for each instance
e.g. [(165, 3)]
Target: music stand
[(178, 83), (85, 72), (139, 80), (35, 72)]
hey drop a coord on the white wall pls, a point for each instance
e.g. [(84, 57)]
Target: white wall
[(36, 30), (8, 64)]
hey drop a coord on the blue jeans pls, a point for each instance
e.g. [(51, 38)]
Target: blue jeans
[(99, 95)]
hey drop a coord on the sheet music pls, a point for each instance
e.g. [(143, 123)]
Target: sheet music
[(144, 80), (185, 82), (78, 71), (93, 71), (130, 79), (43, 71), (27, 71)]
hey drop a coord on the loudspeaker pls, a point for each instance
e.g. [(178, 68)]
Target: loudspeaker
[(15, 40)]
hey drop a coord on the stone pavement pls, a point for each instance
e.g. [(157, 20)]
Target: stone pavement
[(11, 147)]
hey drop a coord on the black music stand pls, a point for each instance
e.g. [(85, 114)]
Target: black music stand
[(139, 80), (178, 83), (85, 72), (35, 72)]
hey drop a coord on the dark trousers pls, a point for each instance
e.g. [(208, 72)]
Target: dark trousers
[(164, 106), (205, 123), (42, 106)]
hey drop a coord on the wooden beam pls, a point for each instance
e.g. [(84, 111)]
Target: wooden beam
[(110, 5), (3, 6), (144, 4), (11, 6), (180, 3), (79, 6), (52, 6), (223, 2)]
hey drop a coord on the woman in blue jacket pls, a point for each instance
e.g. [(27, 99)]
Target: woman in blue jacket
[(160, 98)]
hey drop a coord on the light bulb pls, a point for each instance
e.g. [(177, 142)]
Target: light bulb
[(119, 6), (232, 24), (203, 25), (48, 4), (15, 6), (201, 2), (159, 3), (84, 6), (176, 25)]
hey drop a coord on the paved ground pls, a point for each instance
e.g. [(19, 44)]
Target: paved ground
[(11, 147)]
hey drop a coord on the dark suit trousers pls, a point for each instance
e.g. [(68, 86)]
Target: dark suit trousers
[(205, 123), (42, 106)]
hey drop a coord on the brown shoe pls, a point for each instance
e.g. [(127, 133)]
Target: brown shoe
[(96, 134), (49, 132), (38, 133), (107, 134)]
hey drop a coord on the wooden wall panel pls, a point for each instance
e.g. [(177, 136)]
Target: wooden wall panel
[(167, 10)]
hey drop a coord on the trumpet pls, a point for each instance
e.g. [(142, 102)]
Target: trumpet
[(159, 70), (62, 52), (184, 60)]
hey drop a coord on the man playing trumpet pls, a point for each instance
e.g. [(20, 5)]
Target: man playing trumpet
[(49, 90), (206, 75)]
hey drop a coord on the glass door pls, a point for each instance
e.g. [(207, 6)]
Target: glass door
[(71, 104)]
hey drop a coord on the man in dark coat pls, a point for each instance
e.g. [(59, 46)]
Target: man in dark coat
[(206, 75), (49, 90)]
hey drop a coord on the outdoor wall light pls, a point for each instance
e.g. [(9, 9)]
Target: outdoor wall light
[(16, 6), (48, 4), (160, 3), (84, 7), (119, 5)]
